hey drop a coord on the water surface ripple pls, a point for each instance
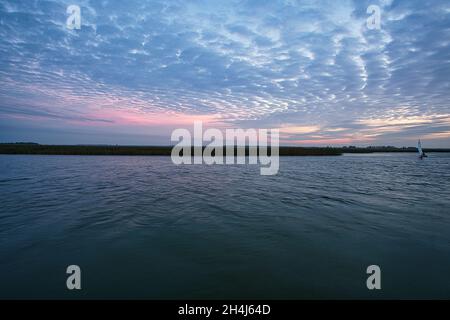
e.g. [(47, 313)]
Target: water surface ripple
[(141, 227)]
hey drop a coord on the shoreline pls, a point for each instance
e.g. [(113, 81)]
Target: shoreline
[(140, 150), (100, 150)]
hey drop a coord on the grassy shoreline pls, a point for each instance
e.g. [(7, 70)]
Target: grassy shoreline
[(31, 148), (137, 150)]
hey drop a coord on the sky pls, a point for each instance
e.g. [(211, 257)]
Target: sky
[(136, 70)]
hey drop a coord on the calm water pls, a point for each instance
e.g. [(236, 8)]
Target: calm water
[(140, 227)]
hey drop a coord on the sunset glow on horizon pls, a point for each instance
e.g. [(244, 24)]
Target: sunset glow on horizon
[(137, 70)]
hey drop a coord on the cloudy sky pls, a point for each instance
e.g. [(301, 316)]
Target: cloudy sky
[(138, 69)]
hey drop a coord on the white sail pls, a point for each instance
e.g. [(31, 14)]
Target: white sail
[(419, 148)]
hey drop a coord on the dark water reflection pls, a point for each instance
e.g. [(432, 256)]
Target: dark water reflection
[(140, 227)]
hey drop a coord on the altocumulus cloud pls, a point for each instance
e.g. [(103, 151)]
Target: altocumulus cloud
[(137, 69)]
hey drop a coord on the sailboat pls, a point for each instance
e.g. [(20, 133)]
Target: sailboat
[(419, 149)]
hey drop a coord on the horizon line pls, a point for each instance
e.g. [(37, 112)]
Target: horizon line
[(171, 146)]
